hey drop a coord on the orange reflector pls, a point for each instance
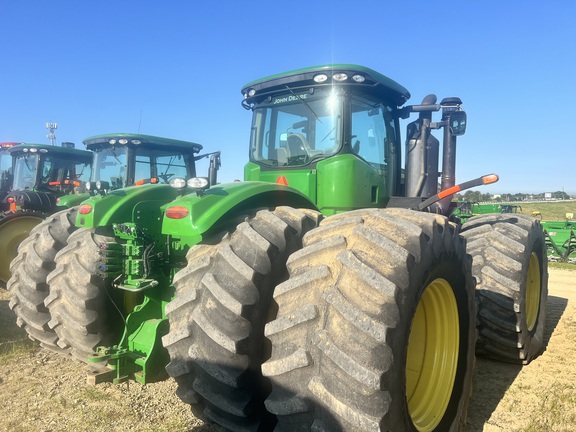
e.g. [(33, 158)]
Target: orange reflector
[(152, 180), (489, 179), (177, 212), (85, 209), (282, 181), (55, 183)]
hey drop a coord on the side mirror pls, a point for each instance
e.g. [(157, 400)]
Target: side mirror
[(457, 123)]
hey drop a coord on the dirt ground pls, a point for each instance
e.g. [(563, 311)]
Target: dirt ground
[(39, 391)]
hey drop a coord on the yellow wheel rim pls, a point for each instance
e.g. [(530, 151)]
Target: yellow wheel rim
[(12, 233), (432, 359), (532, 291)]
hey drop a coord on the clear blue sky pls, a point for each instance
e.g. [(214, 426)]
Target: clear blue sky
[(175, 69)]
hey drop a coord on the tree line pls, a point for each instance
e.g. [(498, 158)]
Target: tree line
[(477, 196)]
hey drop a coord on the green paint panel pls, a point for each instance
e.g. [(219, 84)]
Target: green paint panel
[(224, 202), (126, 205)]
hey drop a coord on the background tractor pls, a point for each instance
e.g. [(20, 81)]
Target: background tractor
[(330, 290), (41, 175), (119, 161)]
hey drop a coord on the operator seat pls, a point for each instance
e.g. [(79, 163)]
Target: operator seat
[(298, 145)]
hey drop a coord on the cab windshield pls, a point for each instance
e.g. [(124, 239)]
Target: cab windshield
[(33, 170), (294, 129), (25, 171), (110, 166)]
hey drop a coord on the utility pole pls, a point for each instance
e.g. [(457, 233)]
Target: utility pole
[(51, 127)]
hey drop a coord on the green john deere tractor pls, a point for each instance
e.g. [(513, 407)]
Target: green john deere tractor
[(119, 161), (42, 175), (330, 290)]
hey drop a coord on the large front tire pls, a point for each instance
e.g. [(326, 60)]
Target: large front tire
[(217, 317), (511, 271), (375, 327), (84, 310), (30, 269)]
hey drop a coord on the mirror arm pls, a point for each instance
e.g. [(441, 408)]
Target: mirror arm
[(437, 125)]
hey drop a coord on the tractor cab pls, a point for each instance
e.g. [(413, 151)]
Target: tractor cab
[(122, 160), (43, 173), (336, 128)]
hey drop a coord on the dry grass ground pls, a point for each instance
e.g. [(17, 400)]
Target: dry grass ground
[(539, 397), (39, 391)]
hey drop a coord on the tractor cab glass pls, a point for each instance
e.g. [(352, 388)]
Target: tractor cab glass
[(110, 166), (58, 172), (45, 171), (296, 129), (5, 161), (5, 171), (373, 133), (25, 171), (160, 165), (121, 165)]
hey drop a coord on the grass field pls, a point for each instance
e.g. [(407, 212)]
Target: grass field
[(554, 210)]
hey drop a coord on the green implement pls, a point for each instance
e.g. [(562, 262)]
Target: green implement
[(561, 239)]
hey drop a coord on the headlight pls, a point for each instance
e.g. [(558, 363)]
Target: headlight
[(102, 185), (177, 183), (198, 183), (341, 76)]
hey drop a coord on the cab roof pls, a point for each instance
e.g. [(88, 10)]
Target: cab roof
[(50, 149), (140, 140), (373, 82)]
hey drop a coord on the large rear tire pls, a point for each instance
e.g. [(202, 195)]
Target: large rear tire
[(375, 327), (14, 228), (217, 317), (511, 271), (30, 269), (85, 312)]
